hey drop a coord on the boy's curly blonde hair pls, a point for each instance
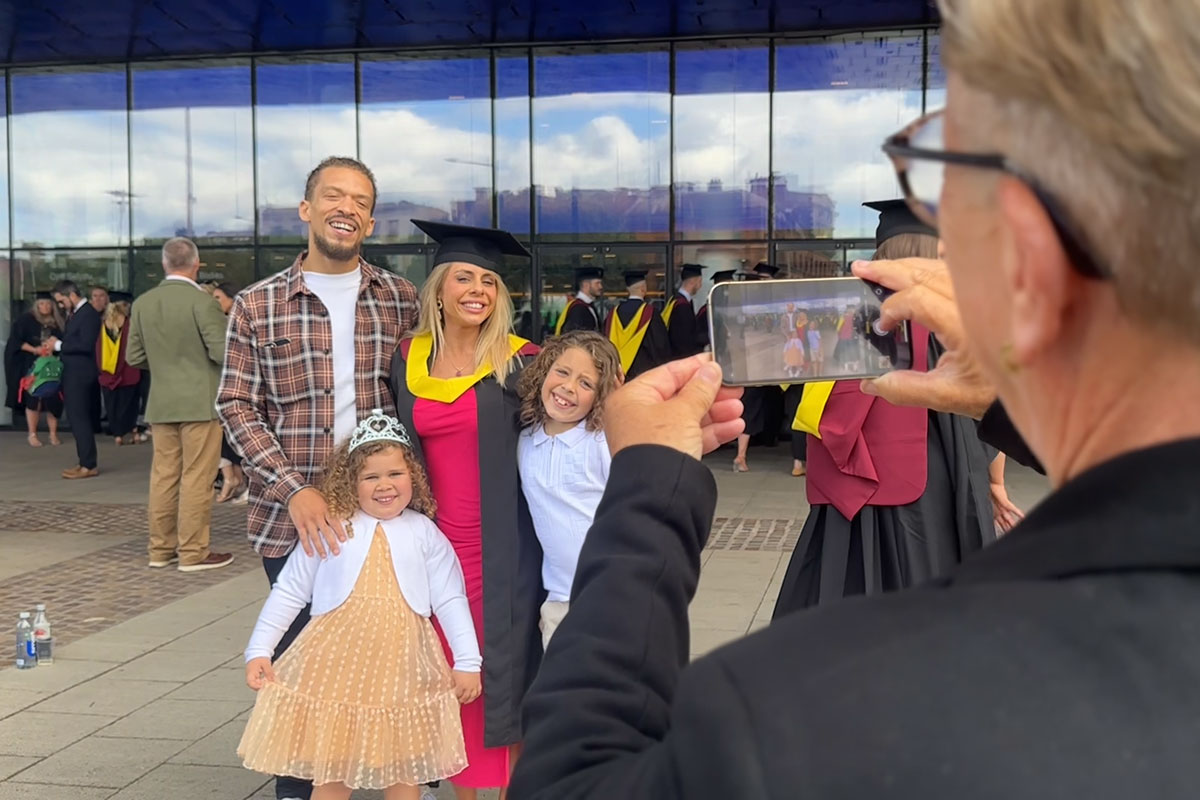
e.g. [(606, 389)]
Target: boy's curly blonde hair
[(339, 481), (604, 357)]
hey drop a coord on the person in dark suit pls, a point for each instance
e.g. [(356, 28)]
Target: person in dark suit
[(1059, 661), (637, 330), (680, 314), (81, 376), (581, 313)]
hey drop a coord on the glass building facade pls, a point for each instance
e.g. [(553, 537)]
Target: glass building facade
[(721, 152)]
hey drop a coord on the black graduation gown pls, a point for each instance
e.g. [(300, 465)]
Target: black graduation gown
[(702, 328), (885, 548), (681, 330), (655, 349), (17, 363), (581, 316), (512, 557), (998, 431), (1058, 663)]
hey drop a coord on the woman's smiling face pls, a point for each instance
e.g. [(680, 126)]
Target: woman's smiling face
[(468, 295)]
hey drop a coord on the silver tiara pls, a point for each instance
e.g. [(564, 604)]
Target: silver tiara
[(379, 427)]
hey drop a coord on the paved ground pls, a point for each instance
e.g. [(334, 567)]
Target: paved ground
[(146, 700)]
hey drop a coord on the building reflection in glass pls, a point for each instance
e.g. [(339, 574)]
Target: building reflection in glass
[(425, 129), (601, 159), (304, 113), (192, 144), (835, 101), (722, 141), (513, 171), (69, 154)]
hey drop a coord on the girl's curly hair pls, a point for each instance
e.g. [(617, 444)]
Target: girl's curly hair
[(339, 480), (604, 357)]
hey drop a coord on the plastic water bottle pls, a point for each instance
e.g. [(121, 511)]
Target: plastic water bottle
[(26, 652), (43, 641)]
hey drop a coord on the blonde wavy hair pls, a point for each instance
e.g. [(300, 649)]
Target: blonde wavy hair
[(604, 357), (492, 348), (907, 245), (115, 315), (1100, 101), (339, 480)]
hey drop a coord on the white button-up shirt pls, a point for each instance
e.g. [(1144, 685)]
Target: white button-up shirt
[(563, 478)]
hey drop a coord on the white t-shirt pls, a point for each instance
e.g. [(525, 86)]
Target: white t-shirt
[(563, 479), (339, 294)]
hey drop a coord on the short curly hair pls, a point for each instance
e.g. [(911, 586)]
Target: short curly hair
[(339, 480), (604, 357)]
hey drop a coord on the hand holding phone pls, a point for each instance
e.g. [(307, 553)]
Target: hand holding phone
[(796, 331)]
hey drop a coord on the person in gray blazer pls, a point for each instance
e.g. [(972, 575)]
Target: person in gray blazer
[(177, 331)]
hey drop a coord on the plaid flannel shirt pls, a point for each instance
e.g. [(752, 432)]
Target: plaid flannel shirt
[(276, 395)]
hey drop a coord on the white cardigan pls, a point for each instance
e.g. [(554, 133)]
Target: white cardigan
[(430, 578)]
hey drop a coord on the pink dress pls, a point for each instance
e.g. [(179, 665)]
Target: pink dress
[(449, 434)]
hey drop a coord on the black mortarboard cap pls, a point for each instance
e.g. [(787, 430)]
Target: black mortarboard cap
[(483, 247), (724, 276), (116, 295), (895, 218), (43, 295), (763, 268), (589, 274), (691, 271), (633, 276)]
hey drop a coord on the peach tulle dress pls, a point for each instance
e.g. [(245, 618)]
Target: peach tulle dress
[(363, 697)]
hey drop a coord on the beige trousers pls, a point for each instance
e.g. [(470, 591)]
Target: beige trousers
[(553, 614), (186, 455)]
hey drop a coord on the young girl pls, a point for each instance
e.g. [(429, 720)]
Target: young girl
[(563, 456), (793, 355), (364, 698)]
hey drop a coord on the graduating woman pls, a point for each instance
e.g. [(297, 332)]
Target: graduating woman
[(120, 384), (454, 381), (898, 495), (25, 344)]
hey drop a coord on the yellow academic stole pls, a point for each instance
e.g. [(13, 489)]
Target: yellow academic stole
[(628, 339), (444, 390)]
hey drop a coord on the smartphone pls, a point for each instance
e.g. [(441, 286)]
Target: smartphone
[(796, 331)]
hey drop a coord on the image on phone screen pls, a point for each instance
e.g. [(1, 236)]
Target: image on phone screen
[(796, 331)]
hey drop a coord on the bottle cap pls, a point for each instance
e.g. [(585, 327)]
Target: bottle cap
[(24, 615), (40, 607)]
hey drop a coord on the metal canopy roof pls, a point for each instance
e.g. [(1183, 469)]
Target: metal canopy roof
[(72, 31)]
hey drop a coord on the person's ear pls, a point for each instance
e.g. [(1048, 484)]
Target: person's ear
[(1037, 272), (305, 211)]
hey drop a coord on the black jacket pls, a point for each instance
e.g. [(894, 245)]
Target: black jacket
[(997, 430), (681, 330), (79, 343), (1060, 662)]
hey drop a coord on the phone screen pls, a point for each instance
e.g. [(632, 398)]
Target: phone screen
[(796, 331)]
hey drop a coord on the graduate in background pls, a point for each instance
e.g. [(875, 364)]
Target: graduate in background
[(454, 380), (636, 329), (680, 314), (581, 313), (898, 495)]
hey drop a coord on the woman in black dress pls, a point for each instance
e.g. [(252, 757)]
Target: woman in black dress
[(29, 333)]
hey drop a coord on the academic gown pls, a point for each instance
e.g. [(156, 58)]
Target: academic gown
[(655, 348), (17, 363), (579, 316), (898, 496), (681, 329), (511, 555), (1058, 663)]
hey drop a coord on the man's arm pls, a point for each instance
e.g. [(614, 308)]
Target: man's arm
[(241, 407), (212, 325), (135, 348)]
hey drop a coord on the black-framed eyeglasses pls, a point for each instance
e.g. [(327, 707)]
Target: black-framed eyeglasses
[(919, 156)]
